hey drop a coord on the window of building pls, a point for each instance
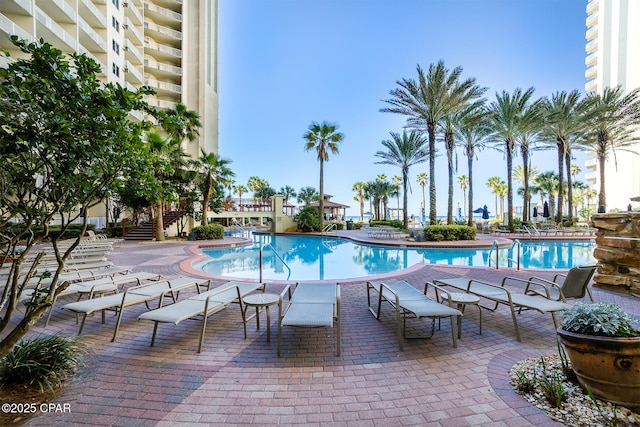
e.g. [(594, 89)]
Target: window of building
[(115, 24), (115, 46), (115, 69), (116, 3)]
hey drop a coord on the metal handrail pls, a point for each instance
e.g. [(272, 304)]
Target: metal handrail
[(494, 245), (516, 242), (329, 226), (268, 245)]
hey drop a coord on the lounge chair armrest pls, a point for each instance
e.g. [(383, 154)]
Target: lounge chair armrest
[(540, 282), (437, 289)]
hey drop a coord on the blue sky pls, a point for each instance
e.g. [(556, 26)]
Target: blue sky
[(286, 63)]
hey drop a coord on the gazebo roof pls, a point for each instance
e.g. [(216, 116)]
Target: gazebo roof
[(329, 204)]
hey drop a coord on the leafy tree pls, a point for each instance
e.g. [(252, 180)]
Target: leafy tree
[(308, 195), (423, 179), (287, 193), (495, 183), (358, 188), (547, 184), (463, 182), (65, 139), (324, 138), (611, 117), (213, 171), (255, 184), (308, 219), (434, 96), (505, 120), (472, 133), (404, 151), (240, 190)]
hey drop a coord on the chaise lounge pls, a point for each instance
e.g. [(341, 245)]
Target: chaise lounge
[(409, 302)]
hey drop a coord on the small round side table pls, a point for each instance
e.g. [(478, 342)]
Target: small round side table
[(462, 299), (259, 301)]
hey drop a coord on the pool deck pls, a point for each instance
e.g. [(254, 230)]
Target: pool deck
[(237, 381)]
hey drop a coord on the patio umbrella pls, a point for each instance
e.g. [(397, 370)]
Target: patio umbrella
[(535, 211), (485, 212), (545, 210), (479, 210)]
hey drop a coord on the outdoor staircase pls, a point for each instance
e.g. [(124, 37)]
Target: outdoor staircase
[(145, 231)]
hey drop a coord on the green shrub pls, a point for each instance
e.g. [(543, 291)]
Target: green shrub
[(208, 232), (308, 219), (357, 225), (600, 319), (437, 233), (45, 362), (116, 230)]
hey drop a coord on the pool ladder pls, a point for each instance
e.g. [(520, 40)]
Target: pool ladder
[(268, 245), (495, 247)]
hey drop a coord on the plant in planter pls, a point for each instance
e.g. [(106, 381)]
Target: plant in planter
[(604, 349)]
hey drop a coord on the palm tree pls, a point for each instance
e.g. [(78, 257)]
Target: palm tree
[(530, 126), (404, 151), (494, 183), (435, 95), (287, 193), (501, 191), (324, 138), (472, 132), (547, 184), (168, 159), (307, 195), (422, 179), (564, 124), (214, 170), (358, 188), (396, 181), (240, 190), (255, 184), (611, 116), (523, 178), (463, 182), (505, 119)]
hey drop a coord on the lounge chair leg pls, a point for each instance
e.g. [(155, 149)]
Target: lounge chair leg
[(153, 335), (453, 334), (515, 324), (204, 327), (82, 323)]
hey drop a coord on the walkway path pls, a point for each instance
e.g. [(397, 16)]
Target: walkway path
[(241, 382)]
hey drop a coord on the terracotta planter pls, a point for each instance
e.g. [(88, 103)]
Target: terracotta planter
[(609, 366)]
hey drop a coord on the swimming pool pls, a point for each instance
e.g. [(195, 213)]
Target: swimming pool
[(329, 258)]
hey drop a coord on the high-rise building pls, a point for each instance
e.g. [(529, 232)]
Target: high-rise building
[(169, 45), (613, 44)]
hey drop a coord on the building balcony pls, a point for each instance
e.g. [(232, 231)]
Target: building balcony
[(592, 176), (161, 14), (89, 38), (591, 163), (162, 33), (58, 10), (132, 53), (48, 29), (133, 31), (591, 59), (18, 7), (132, 11), (591, 73), (592, 19), (592, 33), (91, 14), (160, 103), (161, 69), (164, 88), (133, 74), (593, 6), (591, 86), (592, 46), (161, 51), (7, 26)]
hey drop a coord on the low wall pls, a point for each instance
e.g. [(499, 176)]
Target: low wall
[(618, 251)]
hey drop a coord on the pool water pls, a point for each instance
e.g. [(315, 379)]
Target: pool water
[(330, 258)]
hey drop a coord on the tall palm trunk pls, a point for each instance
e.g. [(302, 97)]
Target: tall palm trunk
[(405, 199), (526, 208), (433, 216), (569, 186), (321, 201), (561, 152), (470, 207), (449, 143), (205, 200), (510, 149), (602, 195), (159, 223)]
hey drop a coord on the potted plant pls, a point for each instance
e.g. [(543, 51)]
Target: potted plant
[(604, 349)]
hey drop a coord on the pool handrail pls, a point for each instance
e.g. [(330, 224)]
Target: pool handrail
[(268, 245), (495, 246), (516, 242)]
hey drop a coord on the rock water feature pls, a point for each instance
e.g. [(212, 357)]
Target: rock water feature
[(618, 252)]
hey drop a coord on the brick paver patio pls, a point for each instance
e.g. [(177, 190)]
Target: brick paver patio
[(242, 382)]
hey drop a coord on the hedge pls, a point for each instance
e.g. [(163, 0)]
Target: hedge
[(436, 233), (208, 232)]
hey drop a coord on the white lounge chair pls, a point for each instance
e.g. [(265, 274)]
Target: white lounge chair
[(409, 302), (202, 305), (312, 305), (132, 296)]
